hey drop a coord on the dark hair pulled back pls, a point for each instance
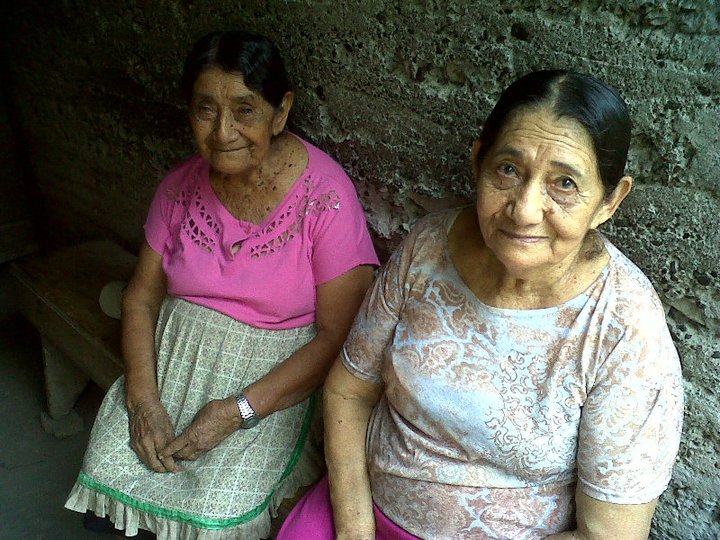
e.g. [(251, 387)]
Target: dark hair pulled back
[(589, 101), (253, 56)]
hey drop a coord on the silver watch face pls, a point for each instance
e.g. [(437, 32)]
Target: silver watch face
[(247, 413)]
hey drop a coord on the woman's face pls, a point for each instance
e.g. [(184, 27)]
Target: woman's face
[(233, 125), (539, 192)]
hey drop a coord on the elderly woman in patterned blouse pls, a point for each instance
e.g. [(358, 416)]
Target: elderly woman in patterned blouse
[(510, 374), (257, 256)]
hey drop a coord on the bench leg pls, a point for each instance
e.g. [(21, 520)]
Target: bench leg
[(64, 383)]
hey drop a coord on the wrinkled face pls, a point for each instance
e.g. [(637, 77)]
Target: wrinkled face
[(539, 192), (233, 125)]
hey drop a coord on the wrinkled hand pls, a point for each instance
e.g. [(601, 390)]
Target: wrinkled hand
[(211, 425), (150, 431)]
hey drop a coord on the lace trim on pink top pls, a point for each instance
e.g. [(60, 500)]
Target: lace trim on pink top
[(204, 230), (297, 211), (198, 230)]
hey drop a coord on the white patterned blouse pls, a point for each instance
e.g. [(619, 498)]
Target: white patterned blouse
[(490, 417)]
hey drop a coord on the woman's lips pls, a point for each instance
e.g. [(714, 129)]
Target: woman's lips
[(524, 238), (227, 150)]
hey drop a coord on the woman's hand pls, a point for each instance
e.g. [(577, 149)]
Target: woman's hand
[(211, 425), (150, 431)]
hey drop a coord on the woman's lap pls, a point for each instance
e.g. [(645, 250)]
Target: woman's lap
[(312, 519), (215, 492)]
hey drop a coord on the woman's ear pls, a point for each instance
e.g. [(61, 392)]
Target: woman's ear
[(611, 203), (281, 113), (475, 154)]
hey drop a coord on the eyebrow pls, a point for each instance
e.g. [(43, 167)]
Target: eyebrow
[(236, 99), (569, 168), (515, 153)]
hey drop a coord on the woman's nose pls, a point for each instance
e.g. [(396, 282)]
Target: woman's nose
[(226, 127), (529, 205)]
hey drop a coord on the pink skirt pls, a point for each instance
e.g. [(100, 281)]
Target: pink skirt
[(312, 519)]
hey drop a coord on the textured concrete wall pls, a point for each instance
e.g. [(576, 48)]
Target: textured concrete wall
[(396, 91), (13, 199)]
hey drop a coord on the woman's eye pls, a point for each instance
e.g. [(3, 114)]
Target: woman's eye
[(507, 169), (244, 111), (567, 184), (505, 176), (205, 112), (243, 114)]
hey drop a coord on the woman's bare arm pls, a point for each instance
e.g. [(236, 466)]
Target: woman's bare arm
[(349, 402), (150, 425), (305, 371), (599, 520), (140, 308)]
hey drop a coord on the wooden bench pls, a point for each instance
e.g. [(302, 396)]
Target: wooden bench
[(58, 293)]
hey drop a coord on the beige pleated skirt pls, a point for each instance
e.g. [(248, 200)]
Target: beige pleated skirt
[(232, 491)]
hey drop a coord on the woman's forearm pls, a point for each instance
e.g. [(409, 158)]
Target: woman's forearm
[(346, 428), (140, 308), (349, 403), (295, 379), (305, 370), (138, 348)]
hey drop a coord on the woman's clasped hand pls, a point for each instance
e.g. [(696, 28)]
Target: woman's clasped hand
[(209, 427), (151, 430)]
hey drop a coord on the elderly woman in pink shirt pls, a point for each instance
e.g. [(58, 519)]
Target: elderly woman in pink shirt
[(256, 259), (510, 374)]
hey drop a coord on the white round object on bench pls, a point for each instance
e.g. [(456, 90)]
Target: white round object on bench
[(111, 299)]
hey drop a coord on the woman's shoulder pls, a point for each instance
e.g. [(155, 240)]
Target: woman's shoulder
[(435, 223), (630, 287), (181, 183), (627, 274), (427, 238), (637, 317)]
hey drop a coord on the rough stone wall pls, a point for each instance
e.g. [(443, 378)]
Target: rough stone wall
[(13, 199), (397, 92)]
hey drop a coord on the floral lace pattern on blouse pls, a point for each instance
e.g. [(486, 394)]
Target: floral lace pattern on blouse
[(288, 224), (197, 223), (204, 230), (490, 417)]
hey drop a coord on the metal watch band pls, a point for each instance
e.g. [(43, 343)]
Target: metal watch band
[(247, 413)]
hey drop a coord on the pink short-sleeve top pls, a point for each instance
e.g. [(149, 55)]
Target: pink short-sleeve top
[(263, 274), (490, 417)]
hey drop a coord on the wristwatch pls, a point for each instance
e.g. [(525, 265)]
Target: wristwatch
[(247, 413)]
